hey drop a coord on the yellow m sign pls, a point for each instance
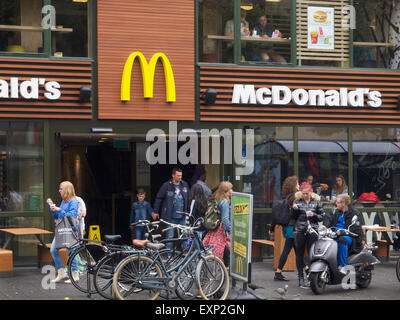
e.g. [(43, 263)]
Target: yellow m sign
[(148, 70)]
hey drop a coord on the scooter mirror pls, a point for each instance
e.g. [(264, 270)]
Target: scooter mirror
[(354, 219)]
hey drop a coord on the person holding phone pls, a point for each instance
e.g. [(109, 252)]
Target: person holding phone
[(68, 208), (307, 208)]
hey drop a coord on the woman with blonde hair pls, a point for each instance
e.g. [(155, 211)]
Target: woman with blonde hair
[(220, 237), (339, 187), (68, 208)]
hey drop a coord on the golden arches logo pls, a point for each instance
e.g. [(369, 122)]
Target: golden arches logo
[(148, 70), (239, 265)]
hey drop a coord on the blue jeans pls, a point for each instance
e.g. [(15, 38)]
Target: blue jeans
[(343, 250), (140, 232), (57, 258), (170, 233)]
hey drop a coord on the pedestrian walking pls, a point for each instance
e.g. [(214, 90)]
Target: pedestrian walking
[(81, 216), (307, 208), (173, 196), (289, 187), (220, 237), (141, 210), (68, 208)]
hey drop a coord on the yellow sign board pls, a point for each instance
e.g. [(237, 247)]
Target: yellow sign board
[(148, 70)]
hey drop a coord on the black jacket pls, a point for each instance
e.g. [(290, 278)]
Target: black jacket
[(300, 215), (291, 221), (331, 218)]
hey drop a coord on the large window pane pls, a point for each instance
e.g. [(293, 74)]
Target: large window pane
[(323, 155), (215, 31), (21, 29), (265, 31), (70, 38), (376, 35), (273, 162), (21, 166), (376, 155)]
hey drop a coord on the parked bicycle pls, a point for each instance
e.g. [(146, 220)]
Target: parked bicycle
[(142, 276)]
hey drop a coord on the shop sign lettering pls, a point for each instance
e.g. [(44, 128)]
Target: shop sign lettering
[(282, 95), (29, 89)]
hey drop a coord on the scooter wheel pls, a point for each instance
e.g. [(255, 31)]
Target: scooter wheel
[(316, 282), (365, 281), (398, 269)]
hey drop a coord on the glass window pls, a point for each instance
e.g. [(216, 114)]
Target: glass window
[(215, 25), (323, 160), (265, 31), (376, 155), (273, 162), (70, 38), (377, 36), (22, 22), (21, 166), (21, 29)]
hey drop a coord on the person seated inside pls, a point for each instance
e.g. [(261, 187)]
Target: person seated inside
[(340, 218), (266, 30), (244, 32), (317, 187), (339, 187)]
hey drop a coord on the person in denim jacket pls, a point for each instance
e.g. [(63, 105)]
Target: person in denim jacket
[(173, 196), (68, 207), (141, 210)]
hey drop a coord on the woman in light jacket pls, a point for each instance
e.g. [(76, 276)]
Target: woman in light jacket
[(68, 208), (220, 237), (306, 209)]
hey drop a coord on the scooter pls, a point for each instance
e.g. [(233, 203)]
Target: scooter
[(323, 261)]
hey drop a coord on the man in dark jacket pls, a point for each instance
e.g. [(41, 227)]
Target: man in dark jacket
[(173, 196), (341, 218)]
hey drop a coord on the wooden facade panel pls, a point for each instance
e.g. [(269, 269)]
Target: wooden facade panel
[(149, 27), (71, 75), (223, 80)]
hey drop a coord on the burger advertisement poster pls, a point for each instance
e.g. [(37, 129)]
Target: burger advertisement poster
[(321, 28)]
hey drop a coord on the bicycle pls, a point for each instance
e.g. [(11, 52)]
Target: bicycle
[(139, 276), (104, 270)]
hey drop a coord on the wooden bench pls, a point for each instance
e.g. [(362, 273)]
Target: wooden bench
[(278, 243), (6, 261), (44, 256)]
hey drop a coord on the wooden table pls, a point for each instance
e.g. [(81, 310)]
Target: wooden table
[(24, 232), (252, 39), (387, 242)]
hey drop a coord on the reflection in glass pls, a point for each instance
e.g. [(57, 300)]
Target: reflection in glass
[(273, 162)]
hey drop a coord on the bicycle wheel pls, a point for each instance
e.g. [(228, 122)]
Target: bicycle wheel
[(212, 278), (131, 273), (85, 259), (104, 273), (187, 288)]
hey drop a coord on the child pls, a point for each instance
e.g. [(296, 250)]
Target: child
[(141, 210)]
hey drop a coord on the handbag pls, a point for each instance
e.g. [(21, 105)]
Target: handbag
[(65, 234)]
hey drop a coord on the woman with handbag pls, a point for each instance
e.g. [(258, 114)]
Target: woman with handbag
[(220, 237), (67, 209)]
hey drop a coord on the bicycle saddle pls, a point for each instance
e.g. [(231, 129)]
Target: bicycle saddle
[(112, 238), (140, 243), (155, 246)]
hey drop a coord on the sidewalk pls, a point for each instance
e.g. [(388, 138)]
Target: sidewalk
[(26, 284)]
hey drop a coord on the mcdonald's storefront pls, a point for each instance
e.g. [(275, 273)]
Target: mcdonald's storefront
[(150, 63)]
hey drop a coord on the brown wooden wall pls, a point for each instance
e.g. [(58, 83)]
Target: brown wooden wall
[(71, 75), (224, 78), (149, 27)]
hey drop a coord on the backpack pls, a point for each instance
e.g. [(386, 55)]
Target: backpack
[(281, 211), (212, 217)]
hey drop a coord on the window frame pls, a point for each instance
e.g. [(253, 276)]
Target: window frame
[(47, 40)]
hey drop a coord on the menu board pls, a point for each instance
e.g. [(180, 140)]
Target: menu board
[(321, 28), (241, 234)]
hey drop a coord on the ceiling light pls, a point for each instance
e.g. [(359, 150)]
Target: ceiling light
[(246, 5)]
